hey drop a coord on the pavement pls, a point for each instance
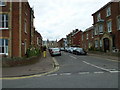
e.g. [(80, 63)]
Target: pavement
[(44, 65), (115, 58)]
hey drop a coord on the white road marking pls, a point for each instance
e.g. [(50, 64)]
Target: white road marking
[(73, 57), (52, 75), (98, 72), (97, 66), (114, 71), (83, 72), (65, 74)]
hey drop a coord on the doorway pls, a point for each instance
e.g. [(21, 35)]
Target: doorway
[(106, 44)]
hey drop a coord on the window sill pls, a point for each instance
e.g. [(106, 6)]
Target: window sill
[(2, 5), (108, 16), (4, 28), (25, 32)]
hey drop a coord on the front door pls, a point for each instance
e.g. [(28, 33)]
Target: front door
[(106, 44)]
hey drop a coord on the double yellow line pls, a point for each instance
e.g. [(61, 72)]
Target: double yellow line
[(55, 65)]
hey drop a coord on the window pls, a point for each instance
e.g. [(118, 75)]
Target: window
[(25, 47), (87, 36), (25, 26), (98, 17), (4, 46), (96, 30), (2, 3), (37, 40), (100, 43), (118, 23), (109, 26), (3, 21), (100, 28), (108, 11), (92, 33), (96, 43), (82, 37)]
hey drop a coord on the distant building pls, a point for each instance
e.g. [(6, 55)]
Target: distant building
[(69, 37), (50, 44), (77, 39), (62, 42), (88, 38)]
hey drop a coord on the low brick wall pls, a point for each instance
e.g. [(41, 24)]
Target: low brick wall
[(12, 62)]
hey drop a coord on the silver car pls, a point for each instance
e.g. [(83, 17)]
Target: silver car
[(55, 51)]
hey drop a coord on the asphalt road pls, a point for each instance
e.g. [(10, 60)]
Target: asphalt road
[(76, 71)]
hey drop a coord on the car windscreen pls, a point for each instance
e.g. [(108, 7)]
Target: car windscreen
[(55, 49)]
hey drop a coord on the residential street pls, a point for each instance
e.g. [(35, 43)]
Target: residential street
[(75, 71)]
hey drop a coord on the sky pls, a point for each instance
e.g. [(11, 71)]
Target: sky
[(54, 19)]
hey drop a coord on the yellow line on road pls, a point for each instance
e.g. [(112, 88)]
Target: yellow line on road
[(37, 75)]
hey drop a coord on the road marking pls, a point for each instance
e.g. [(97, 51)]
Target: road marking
[(73, 57), (65, 74), (97, 66), (98, 72), (37, 75), (114, 71), (83, 72), (52, 75)]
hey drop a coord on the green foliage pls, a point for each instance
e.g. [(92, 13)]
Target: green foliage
[(32, 51)]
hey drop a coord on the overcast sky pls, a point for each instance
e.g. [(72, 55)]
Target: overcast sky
[(54, 19)]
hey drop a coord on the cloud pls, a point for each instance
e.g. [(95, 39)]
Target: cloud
[(54, 19)]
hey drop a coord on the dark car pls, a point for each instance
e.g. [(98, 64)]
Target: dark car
[(55, 51), (79, 51)]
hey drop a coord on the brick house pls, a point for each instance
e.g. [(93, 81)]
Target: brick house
[(69, 37), (88, 38), (107, 27), (76, 39), (62, 42), (15, 26), (37, 40)]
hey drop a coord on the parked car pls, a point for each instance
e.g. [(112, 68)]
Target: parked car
[(66, 49), (55, 51), (79, 51), (62, 49)]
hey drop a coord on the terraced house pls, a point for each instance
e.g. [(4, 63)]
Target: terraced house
[(17, 28), (107, 27)]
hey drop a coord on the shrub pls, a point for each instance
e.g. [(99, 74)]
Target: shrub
[(32, 51)]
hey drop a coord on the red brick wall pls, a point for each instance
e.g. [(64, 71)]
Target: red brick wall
[(15, 29), (77, 39), (25, 18)]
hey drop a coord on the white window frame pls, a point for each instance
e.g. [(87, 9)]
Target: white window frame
[(96, 30), (108, 11), (25, 26), (96, 43), (109, 26), (101, 43), (4, 46), (4, 21), (37, 40), (98, 17), (118, 23), (101, 28), (87, 36), (2, 3)]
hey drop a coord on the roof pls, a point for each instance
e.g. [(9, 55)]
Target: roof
[(90, 28)]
